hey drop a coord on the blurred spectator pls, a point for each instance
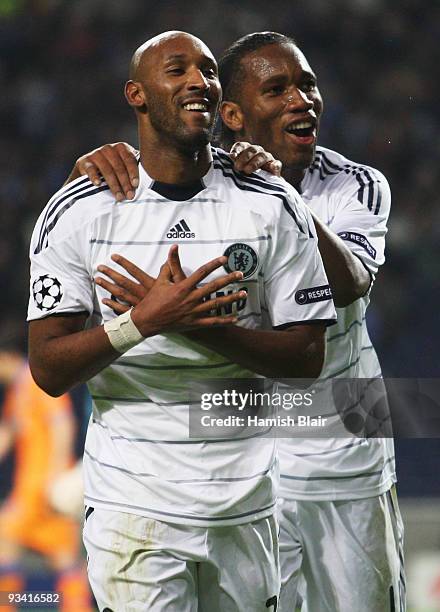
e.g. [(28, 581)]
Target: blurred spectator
[(41, 428)]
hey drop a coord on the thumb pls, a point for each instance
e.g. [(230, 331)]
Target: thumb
[(174, 264)]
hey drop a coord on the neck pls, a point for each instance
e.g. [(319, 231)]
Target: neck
[(165, 162), (293, 176)]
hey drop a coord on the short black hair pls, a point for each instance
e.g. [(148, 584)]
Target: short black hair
[(231, 72)]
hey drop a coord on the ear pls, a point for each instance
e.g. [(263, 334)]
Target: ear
[(232, 116), (135, 95)]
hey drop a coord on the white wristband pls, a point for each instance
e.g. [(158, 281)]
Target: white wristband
[(123, 333)]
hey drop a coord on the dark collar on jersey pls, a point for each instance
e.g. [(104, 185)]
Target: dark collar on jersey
[(178, 193)]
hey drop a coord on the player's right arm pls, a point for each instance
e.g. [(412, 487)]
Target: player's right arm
[(62, 353)]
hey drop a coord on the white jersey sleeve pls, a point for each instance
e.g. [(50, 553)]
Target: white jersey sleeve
[(296, 286), (61, 280), (362, 215)]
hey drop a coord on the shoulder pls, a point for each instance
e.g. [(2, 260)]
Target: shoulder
[(271, 194), (331, 171), (329, 163), (257, 182), (72, 206)]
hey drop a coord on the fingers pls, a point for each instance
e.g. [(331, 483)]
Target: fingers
[(128, 156), (174, 263), (97, 163), (89, 168), (248, 158), (117, 164), (213, 321), (117, 307), (142, 277), (205, 271), (273, 167), (217, 284), (237, 148), (130, 297), (218, 303), (123, 282)]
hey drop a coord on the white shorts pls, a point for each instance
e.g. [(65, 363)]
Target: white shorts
[(137, 563), (342, 556)]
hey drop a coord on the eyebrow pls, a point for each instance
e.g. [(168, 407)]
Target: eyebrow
[(182, 56), (276, 78), (176, 56)]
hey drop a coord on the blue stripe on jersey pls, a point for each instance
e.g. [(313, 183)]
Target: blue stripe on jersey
[(71, 197), (327, 168), (283, 199), (353, 477), (66, 192), (242, 181), (366, 181), (350, 365), (128, 364), (210, 441), (352, 324), (253, 178), (369, 183), (178, 480), (328, 451), (329, 163), (183, 241), (186, 516), (378, 202), (139, 400), (243, 184)]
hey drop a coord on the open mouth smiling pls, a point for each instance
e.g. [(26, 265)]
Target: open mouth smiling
[(201, 106), (302, 129)]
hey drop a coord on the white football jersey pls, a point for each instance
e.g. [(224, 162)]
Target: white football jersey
[(354, 202), (139, 457)]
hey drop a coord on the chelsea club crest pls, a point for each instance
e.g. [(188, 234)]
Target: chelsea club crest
[(241, 258)]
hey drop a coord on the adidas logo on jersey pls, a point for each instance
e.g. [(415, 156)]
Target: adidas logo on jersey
[(180, 230)]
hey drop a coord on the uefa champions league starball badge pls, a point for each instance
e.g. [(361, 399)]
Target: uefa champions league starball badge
[(47, 291), (241, 258)]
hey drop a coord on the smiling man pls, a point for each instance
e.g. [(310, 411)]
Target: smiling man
[(175, 523), (340, 525)]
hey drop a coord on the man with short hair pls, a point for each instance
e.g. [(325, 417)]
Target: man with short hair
[(340, 523), (338, 510), (172, 522)]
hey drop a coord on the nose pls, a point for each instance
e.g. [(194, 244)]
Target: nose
[(297, 100), (197, 80)]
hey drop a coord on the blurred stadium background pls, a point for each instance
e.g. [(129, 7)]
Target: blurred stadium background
[(62, 69)]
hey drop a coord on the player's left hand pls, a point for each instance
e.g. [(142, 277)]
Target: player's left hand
[(121, 287), (248, 158), (125, 292)]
